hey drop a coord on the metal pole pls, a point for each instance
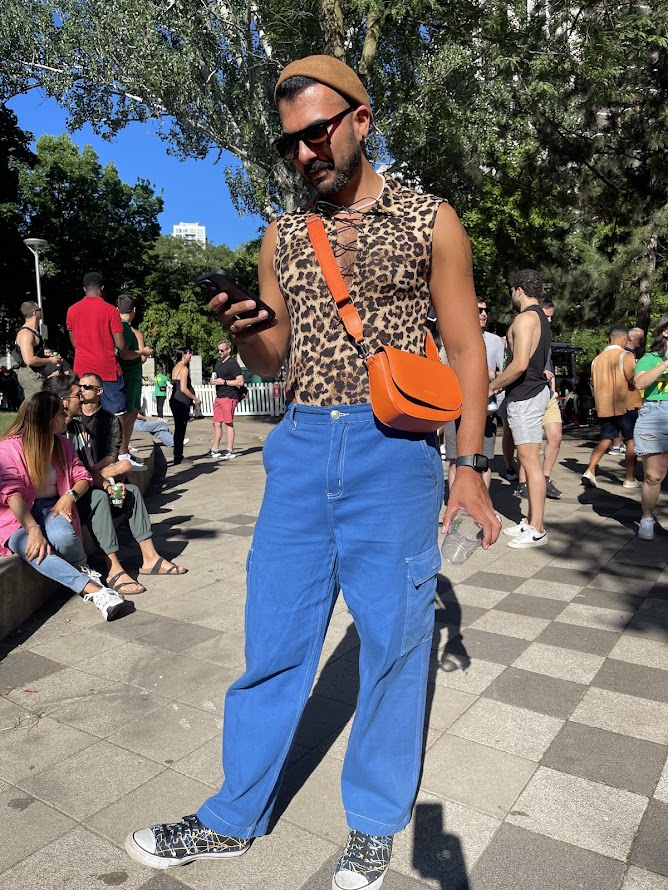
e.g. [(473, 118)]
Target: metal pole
[(39, 283)]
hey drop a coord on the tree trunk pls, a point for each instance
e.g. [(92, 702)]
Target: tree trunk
[(332, 29), (375, 23), (644, 308)]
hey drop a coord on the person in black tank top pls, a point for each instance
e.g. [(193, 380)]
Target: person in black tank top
[(29, 356), (527, 397), (183, 397)]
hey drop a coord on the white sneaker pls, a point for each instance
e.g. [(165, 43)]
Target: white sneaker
[(515, 530), (107, 601), (646, 529), (589, 480), (529, 537), (631, 483), (92, 574), (138, 466), (227, 455)]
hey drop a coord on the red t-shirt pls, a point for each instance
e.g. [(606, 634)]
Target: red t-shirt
[(93, 322)]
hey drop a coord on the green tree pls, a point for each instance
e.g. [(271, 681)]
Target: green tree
[(91, 219), (205, 71), (173, 311), (16, 271)]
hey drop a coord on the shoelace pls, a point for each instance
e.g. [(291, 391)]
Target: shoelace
[(92, 574), (364, 852), (171, 831), (102, 598)]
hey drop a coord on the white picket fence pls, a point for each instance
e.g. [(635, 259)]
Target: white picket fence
[(266, 399)]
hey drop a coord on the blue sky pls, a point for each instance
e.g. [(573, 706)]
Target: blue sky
[(193, 190)]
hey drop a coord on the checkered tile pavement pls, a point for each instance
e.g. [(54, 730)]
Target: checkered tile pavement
[(547, 719)]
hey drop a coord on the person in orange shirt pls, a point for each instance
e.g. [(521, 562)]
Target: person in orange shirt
[(616, 400)]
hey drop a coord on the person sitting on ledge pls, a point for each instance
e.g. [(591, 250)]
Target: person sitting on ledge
[(96, 435), (41, 480)]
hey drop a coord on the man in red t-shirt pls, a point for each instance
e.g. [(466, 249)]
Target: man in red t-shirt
[(96, 332)]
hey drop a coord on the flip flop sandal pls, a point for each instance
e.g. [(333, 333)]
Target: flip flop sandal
[(174, 570), (118, 586)]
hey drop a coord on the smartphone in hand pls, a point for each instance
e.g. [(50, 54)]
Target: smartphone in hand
[(219, 281)]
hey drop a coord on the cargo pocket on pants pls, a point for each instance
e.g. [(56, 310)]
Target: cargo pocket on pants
[(420, 595)]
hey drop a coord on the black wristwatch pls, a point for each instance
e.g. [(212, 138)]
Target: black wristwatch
[(477, 462)]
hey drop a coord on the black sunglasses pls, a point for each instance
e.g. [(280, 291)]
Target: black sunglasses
[(88, 386), (484, 309), (314, 136)]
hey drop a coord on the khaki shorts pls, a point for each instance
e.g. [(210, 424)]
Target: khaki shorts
[(552, 412)]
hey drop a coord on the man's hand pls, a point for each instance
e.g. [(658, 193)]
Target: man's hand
[(469, 493), (227, 313), (146, 351), (63, 507), (37, 547)]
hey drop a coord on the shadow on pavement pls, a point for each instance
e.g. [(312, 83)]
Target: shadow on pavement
[(437, 855)]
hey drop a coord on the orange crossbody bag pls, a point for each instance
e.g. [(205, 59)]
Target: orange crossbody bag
[(408, 392)]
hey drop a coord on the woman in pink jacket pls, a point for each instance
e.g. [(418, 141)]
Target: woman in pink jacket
[(41, 479)]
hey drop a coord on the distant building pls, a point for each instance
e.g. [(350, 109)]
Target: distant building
[(190, 232)]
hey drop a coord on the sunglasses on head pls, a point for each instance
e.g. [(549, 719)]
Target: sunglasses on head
[(315, 136)]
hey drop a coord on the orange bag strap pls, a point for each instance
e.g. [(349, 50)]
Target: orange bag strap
[(330, 269), (337, 286)]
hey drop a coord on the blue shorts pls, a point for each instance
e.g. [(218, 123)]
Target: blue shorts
[(620, 425), (651, 431), (113, 397)]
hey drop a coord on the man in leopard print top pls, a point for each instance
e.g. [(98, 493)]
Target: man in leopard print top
[(349, 505)]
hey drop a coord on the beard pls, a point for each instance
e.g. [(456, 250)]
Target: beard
[(344, 167)]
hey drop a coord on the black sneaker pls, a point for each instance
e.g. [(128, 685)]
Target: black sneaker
[(178, 843), (521, 491), (364, 862), (509, 474), (551, 490)]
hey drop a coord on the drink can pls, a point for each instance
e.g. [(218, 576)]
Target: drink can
[(117, 495)]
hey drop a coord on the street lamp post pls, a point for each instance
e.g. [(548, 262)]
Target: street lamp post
[(34, 245)]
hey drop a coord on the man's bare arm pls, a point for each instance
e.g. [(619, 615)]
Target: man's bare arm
[(453, 297), (27, 347), (524, 328)]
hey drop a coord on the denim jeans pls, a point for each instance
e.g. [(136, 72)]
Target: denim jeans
[(157, 428), (63, 565), (348, 505)]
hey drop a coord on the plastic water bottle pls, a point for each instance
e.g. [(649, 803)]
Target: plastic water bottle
[(463, 539)]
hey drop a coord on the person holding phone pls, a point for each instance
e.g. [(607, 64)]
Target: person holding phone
[(349, 504), (227, 378)]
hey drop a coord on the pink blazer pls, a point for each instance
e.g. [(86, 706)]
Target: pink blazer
[(14, 479)]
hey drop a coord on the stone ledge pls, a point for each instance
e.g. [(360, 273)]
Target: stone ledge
[(23, 590)]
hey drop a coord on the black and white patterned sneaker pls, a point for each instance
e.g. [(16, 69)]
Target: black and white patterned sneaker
[(364, 862), (178, 843)]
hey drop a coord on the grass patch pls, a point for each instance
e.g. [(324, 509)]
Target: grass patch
[(6, 420)]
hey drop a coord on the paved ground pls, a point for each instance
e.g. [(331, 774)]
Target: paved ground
[(547, 721)]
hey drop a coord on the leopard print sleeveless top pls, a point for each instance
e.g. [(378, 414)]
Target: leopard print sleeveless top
[(387, 281)]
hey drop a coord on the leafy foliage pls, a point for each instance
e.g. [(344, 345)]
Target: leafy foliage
[(174, 311), (91, 220), (544, 123)]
